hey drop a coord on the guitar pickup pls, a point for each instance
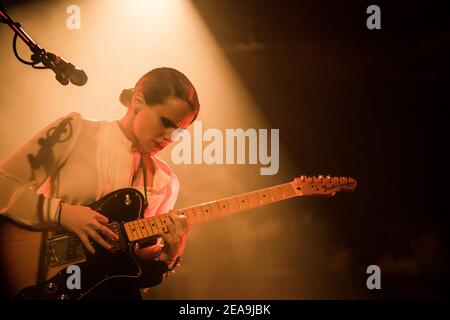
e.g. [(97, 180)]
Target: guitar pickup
[(64, 249)]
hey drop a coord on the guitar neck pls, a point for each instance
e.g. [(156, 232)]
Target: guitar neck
[(144, 228)]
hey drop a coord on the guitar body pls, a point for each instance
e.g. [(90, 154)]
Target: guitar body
[(25, 260)]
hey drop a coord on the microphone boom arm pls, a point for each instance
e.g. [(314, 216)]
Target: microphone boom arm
[(58, 65)]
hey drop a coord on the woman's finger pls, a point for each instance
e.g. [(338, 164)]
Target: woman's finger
[(84, 238), (98, 238), (101, 218), (180, 223), (174, 219), (107, 232), (167, 237), (184, 223), (171, 234), (169, 224)]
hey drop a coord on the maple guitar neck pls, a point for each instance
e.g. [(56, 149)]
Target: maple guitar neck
[(305, 186)]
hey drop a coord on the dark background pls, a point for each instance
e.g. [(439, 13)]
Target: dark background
[(358, 102), (366, 102)]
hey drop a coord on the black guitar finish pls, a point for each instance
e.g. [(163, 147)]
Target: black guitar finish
[(105, 273)]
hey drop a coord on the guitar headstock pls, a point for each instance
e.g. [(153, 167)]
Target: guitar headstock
[(322, 185)]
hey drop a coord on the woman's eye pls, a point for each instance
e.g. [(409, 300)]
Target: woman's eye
[(167, 123)]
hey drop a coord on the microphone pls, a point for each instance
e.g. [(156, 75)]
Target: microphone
[(66, 71)]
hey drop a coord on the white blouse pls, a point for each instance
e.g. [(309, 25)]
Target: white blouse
[(77, 161)]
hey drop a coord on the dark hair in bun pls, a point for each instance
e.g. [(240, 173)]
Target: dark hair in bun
[(125, 96)]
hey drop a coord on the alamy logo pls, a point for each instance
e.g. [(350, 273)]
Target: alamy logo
[(220, 147), (374, 20), (74, 20), (374, 280), (74, 280)]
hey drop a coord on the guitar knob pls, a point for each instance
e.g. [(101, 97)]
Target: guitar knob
[(51, 287), (127, 200)]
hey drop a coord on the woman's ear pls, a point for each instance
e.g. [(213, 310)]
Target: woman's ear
[(138, 101)]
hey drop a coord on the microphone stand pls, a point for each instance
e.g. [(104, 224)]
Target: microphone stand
[(39, 55)]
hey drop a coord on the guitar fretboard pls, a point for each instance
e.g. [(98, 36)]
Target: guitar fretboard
[(147, 227)]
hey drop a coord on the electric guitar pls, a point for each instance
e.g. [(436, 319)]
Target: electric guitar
[(33, 265)]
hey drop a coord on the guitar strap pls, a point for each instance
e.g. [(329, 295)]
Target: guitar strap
[(144, 174)]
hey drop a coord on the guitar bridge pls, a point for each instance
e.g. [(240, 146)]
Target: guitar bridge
[(64, 249)]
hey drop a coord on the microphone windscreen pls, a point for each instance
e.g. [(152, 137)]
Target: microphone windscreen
[(77, 76)]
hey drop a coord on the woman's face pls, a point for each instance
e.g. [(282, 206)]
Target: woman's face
[(154, 125)]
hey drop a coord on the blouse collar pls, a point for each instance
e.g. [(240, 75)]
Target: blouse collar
[(162, 176)]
